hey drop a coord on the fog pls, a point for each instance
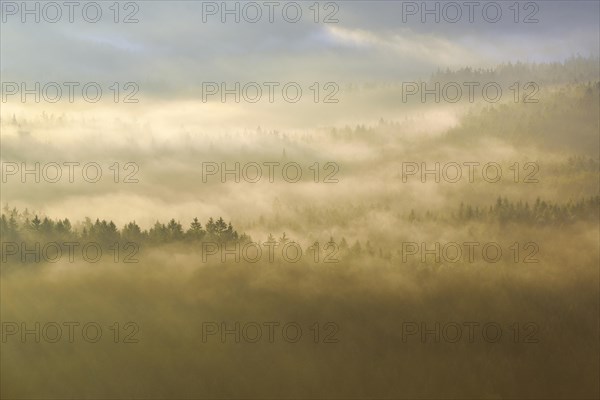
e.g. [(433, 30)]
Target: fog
[(381, 245)]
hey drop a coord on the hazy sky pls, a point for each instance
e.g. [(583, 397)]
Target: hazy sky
[(171, 50)]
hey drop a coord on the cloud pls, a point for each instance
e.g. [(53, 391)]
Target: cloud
[(369, 41)]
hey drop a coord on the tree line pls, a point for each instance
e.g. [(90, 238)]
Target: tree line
[(541, 212), (23, 226), (16, 226)]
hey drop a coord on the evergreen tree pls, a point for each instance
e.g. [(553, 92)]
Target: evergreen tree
[(196, 232)]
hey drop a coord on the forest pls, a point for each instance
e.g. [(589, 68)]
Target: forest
[(547, 309), (18, 226)]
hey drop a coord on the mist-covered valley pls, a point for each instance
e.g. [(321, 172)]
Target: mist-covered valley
[(389, 244)]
